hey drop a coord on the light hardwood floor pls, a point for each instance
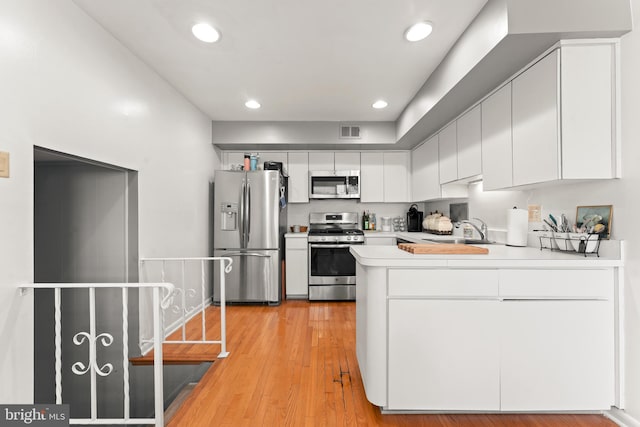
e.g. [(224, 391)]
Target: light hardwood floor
[(295, 365)]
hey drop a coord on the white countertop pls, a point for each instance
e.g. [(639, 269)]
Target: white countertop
[(498, 256), (378, 233)]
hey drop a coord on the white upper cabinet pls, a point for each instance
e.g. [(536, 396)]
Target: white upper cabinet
[(321, 161), (425, 176), (330, 161), (564, 116), (396, 176), (448, 153), (536, 154), (497, 163), (469, 129), (274, 156), (588, 113), (347, 160), (298, 177), (231, 158), (384, 177), (371, 177)]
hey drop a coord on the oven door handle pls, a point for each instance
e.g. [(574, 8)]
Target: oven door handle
[(322, 245)]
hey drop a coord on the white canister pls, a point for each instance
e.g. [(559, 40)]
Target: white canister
[(385, 223), (517, 227)]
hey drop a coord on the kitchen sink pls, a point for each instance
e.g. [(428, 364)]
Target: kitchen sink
[(460, 240)]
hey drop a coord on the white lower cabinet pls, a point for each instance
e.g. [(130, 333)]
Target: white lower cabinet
[(556, 355), (444, 355), (500, 340), (296, 269), (557, 340)]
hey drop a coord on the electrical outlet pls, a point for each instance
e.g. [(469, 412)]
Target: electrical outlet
[(4, 164)]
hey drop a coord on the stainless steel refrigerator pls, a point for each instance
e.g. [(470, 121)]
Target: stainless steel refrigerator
[(249, 225)]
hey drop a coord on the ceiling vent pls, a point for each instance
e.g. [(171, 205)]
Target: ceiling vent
[(349, 132)]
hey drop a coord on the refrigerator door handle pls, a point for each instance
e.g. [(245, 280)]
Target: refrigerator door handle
[(242, 216), (230, 254), (248, 211)]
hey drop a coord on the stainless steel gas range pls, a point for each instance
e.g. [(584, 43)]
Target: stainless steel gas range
[(332, 268)]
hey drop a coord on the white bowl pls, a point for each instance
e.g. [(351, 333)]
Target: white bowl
[(561, 241), (590, 245)]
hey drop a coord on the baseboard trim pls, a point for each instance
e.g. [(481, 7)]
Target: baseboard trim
[(621, 417)]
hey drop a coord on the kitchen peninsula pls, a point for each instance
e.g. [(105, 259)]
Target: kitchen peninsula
[(517, 329)]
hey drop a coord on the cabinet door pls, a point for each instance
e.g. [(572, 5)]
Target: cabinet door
[(425, 177), (298, 177), (296, 271), (275, 156), (371, 177), (321, 161), (232, 158), (448, 154), (536, 143), (497, 161), (587, 111), (396, 176), (444, 355), (469, 129), (347, 161), (557, 355)]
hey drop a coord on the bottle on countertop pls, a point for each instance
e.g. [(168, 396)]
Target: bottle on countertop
[(372, 221), (365, 220)]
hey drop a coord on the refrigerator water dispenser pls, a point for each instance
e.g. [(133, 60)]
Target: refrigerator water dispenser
[(229, 217)]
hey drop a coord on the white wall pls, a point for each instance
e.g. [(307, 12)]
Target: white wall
[(67, 85)]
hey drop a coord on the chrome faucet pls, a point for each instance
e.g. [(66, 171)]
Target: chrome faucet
[(483, 230)]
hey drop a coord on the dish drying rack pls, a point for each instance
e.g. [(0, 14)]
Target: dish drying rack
[(577, 243)]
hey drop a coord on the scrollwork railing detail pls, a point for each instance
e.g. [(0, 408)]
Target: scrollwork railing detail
[(80, 368)]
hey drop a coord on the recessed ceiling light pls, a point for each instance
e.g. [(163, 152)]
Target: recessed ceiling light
[(205, 32), (379, 104), (418, 31), (253, 104)]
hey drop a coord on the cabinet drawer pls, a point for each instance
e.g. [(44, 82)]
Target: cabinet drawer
[(380, 241), (443, 283), (557, 284), (296, 243)]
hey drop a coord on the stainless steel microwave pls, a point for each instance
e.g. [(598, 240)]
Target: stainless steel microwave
[(334, 184)]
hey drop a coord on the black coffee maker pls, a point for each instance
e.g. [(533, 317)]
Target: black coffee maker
[(414, 219)]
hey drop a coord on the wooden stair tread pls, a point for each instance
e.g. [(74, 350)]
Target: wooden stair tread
[(442, 248)]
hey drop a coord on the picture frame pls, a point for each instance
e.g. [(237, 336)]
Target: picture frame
[(593, 215)]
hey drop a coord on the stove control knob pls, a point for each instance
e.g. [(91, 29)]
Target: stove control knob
[(323, 239)]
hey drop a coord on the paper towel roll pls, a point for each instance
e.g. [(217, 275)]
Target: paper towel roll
[(517, 227)]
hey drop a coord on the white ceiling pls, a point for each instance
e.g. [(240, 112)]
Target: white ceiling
[(326, 60)]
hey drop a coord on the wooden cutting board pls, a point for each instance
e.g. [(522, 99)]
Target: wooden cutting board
[(442, 248)]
